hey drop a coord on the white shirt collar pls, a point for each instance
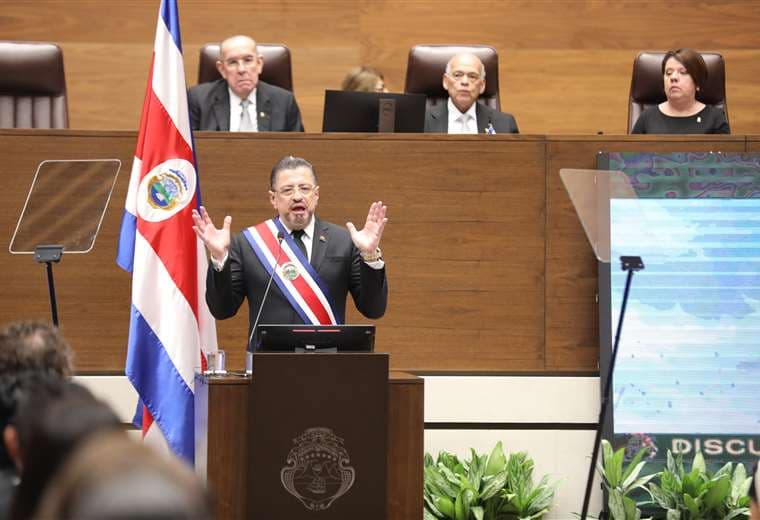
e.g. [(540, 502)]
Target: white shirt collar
[(455, 114), (308, 230)]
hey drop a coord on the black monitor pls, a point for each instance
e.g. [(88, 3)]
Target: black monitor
[(315, 338), (347, 111)]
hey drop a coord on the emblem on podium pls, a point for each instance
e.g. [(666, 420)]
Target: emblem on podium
[(317, 470)]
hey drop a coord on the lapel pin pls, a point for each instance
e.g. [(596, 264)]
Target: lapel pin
[(322, 238)]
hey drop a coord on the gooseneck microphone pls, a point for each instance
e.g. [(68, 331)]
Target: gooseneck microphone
[(280, 237)]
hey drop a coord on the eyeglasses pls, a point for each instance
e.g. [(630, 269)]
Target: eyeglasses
[(303, 189), (459, 75)]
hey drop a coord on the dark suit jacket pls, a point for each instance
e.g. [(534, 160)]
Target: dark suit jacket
[(277, 110), (437, 120), (335, 259)]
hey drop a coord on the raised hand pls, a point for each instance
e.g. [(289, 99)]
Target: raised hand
[(368, 239), (217, 241)]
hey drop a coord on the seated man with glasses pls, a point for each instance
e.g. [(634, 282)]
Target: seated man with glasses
[(240, 102), (465, 81), (315, 263)]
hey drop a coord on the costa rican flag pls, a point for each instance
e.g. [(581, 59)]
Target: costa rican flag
[(171, 328)]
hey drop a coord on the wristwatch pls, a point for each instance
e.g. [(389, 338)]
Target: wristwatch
[(373, 257)]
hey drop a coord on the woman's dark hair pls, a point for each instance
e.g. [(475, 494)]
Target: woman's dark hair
[(692, 61)]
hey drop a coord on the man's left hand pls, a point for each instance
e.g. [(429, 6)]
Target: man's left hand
[(368, 239)]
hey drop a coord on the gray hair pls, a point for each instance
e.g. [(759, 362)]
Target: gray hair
[(460, 55)]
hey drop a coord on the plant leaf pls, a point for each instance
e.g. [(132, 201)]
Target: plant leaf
[(631, 511), (660, 496), (634, 466), (496, 460), (630, 474), (477, 512), (691, 504), (698, 463), (607, 453), (616, 467), (493, 484), (462, 505), (718, 494), (439, 484), (427, 460), (427, 515), (615, 503), (742, 511), (445, 506)]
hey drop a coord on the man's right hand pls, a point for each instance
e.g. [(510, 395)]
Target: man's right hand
[(217, 241)]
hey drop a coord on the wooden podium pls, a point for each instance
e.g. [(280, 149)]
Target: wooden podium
[(224, 433)]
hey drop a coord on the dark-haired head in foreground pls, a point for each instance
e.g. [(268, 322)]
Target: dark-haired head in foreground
[(26, 348), (53, 417), (112, 478)]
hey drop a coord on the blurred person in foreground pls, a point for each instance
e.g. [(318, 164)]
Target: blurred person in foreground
[(465, 81), (53, 417), (110, 477), (240, 101), (26, 348), (684, 73), (364, 79)]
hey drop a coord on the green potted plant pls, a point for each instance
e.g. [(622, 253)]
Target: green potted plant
[(700, 494), (493, 487), (620, 480)]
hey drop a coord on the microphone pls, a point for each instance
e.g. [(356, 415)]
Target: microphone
[(280, 237)]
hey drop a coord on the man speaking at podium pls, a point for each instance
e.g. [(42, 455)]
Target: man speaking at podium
[(313, 264)]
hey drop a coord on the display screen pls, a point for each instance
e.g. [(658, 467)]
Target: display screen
[(688, 365)]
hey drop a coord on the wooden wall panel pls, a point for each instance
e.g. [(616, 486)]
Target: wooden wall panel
[(450, 203), (565, 65), (488, 267)]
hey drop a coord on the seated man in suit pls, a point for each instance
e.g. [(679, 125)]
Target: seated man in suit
[(315, 263), (465, 81), (240, 102)]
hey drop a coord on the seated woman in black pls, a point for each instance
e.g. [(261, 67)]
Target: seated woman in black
[(684, 72)]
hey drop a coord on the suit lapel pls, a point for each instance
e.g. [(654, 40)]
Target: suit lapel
[(483, 116), (221, 106), (319, 244), (440, 116), (263, 108)]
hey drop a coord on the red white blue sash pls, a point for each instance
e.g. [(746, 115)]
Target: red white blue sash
[(295, 277)]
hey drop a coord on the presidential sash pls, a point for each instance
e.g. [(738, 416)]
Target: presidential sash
[(295, 277)]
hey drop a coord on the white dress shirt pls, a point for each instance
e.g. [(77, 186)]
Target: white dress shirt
[(460, 123), (236, 111)]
